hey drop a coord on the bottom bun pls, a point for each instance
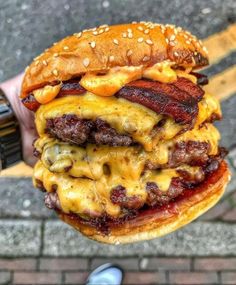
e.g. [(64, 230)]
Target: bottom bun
[(158, 222)]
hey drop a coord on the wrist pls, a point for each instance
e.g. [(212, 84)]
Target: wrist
[(10, 138)]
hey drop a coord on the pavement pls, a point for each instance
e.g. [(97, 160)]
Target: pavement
[(35, 247)]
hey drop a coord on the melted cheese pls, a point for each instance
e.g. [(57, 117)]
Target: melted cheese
[(121, 115), (92, 197), (207, 106), (111, 82), (127, 162), (47, 93), (86, 176), (115, 78), (161, 72), (181, 73)]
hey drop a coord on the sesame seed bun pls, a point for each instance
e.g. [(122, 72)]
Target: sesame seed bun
[(163, 222), (105, 47)]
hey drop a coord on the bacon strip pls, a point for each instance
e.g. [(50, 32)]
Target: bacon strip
[(201, 78), (31, 103), (71, 87), (178, 100)]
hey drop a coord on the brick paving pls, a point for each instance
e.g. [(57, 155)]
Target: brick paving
[(162, 270)]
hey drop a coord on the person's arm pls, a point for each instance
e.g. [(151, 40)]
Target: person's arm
[(15, 145)]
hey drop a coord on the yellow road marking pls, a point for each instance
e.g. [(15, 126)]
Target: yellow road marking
[(221, 44), (223, 84), (20, 169)]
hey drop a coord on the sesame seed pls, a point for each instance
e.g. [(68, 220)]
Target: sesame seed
[(95, 33), (124, 35), (129, 30), (176, 53), (140, 40), (36, 62), (130, 35), (115, 41), (93, 44), (55, 54), (185, 36), (140, 28), (45, 62), (134, 22), (188, 42), (129, 52), (65, 47), (86, 62), (27, 68), (111, 58), (36, 58), (149, 42), (146, 58), (94, 29), (46, 50), (55, 72), (175, 31), (167, 41), (78, 35), (146, 31), (103, 26), (101, 31), (107, 29), (172, 43), (195, 53), (172, 37)]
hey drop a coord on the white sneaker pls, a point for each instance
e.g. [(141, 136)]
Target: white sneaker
[(106, 274)]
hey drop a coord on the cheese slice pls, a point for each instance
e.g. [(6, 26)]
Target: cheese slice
[(87, 197), (127, 162), (126, 117), (111, 82)]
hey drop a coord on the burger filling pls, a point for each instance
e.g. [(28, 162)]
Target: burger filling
[(111, 148)]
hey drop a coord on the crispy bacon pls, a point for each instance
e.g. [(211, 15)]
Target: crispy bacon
[(201, 78), (31, 103), (71, 87), (178, 100)]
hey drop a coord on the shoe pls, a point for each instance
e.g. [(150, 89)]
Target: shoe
[(106, 274)]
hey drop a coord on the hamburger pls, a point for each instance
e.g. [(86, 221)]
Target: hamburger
[(127, 149)]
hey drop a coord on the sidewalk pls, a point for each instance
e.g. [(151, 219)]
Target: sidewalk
[(163, 270)]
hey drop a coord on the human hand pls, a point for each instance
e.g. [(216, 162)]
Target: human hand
[(25, 117)]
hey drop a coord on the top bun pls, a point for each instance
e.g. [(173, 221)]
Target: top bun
[(101, 48)]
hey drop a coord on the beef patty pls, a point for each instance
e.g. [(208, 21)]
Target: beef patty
[(72, 129)]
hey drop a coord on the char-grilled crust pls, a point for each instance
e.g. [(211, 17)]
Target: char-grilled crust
[(155, 224), (106, 47)]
